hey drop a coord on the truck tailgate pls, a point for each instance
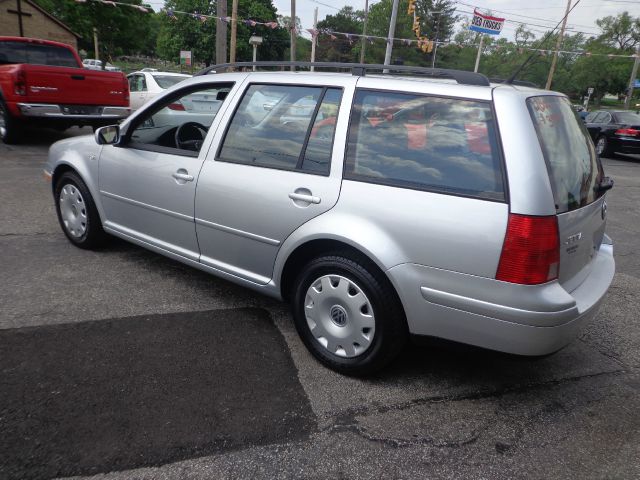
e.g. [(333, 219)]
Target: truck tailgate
[(75, 86)]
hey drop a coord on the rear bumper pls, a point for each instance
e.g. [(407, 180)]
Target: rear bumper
[(519, 319), (71, 113), (626, 145)]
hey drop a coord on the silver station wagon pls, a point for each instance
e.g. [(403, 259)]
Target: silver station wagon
[(379, 204)]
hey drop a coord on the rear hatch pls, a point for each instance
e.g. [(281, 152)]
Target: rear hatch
[(74, 86), (576, 178)]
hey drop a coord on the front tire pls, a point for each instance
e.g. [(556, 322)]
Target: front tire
[(10, 127), (348, 315), (77, 212)]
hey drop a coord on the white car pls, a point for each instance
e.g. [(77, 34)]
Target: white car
[(93, 64), (144, 85)]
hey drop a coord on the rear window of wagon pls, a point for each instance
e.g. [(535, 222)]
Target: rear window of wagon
[(573, 166)]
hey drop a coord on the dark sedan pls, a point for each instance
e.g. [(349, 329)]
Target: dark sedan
[(614, 131)]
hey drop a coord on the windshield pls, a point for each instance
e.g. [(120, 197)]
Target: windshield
[(627, 117), (24, 52), (574, 168), (166, 81)]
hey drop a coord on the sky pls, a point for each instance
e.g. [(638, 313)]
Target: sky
[(543, 17)]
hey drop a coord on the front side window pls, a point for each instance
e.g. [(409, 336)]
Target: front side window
[(574, 168), (179, 123), (424, 142), (283, 126)]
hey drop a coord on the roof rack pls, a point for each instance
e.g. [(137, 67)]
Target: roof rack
[(460, 76)]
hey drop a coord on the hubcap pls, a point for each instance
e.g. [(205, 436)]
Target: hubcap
[(73, 211), (339, 315)]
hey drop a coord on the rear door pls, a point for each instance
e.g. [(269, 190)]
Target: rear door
[(575, 174), (268, 175)]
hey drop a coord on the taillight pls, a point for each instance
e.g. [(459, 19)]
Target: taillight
[(628, 132), (531, 250), (125, 87), (20, 83), (176, 106)]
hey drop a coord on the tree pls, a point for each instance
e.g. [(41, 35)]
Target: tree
[(340, 49), (622, 31), (121, 29), (184, 32)]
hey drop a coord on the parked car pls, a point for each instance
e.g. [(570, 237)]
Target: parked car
[(93, 64), (614, 131), (146, 84), (42, 83), (461, 209)]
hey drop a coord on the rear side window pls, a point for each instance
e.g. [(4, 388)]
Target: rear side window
[(23, 52), (574, 168), (424, 142)]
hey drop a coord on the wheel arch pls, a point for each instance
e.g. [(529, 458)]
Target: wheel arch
[(311, 249), (63, 167)]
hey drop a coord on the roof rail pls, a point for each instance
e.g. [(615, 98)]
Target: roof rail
[(460, 76), (519, 83)]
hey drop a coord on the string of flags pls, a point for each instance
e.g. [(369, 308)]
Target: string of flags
[(422, 42)]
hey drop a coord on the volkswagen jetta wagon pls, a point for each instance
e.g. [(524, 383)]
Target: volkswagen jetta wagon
[(385, 205)]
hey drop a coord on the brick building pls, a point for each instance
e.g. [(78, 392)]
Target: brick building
[(36, 22)]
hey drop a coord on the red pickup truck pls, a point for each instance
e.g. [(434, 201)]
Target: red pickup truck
[(44, 83)]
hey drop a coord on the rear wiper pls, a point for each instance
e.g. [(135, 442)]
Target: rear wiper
[(605, 184)]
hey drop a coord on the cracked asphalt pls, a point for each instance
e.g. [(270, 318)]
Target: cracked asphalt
[(101, 351)]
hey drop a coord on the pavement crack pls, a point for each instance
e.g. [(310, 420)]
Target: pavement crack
[(33, 234), (347, 417)]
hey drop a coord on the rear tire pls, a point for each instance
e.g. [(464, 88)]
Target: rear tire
[(348, 314), (10, 127), (77, 212), (603, 148)]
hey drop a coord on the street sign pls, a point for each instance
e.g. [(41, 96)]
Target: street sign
[(486, 23), (590, 91), (185, 58), (636, 83)]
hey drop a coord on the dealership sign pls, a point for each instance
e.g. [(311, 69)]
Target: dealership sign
[(486, 24)]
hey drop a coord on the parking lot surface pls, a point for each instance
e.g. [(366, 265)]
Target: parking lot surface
[(123, 364)]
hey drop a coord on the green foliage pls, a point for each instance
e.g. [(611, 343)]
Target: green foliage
[(340, 49), (187, 33), (121, 30)]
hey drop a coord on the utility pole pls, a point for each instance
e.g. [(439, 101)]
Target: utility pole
[(558, 43), (435, 47), (95, 43), (234, 30), (293, 33), (314, 37), (475, 69), (221, 32), (364, 30), (634, 73), (392, 32)]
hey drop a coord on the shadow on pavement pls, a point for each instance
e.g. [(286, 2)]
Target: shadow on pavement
[(117, 394)]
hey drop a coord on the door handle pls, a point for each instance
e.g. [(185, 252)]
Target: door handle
[(183, 176), (301, 197)]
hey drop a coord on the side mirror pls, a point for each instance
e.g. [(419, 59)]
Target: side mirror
[(108, 135)]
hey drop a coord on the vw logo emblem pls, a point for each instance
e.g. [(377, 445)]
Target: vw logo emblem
[(604, 210), (338, 315)]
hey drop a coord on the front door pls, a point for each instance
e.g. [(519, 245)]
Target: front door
[(272, 172), (147, 182)]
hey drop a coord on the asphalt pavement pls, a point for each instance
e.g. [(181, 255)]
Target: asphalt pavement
[(123, 364)]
